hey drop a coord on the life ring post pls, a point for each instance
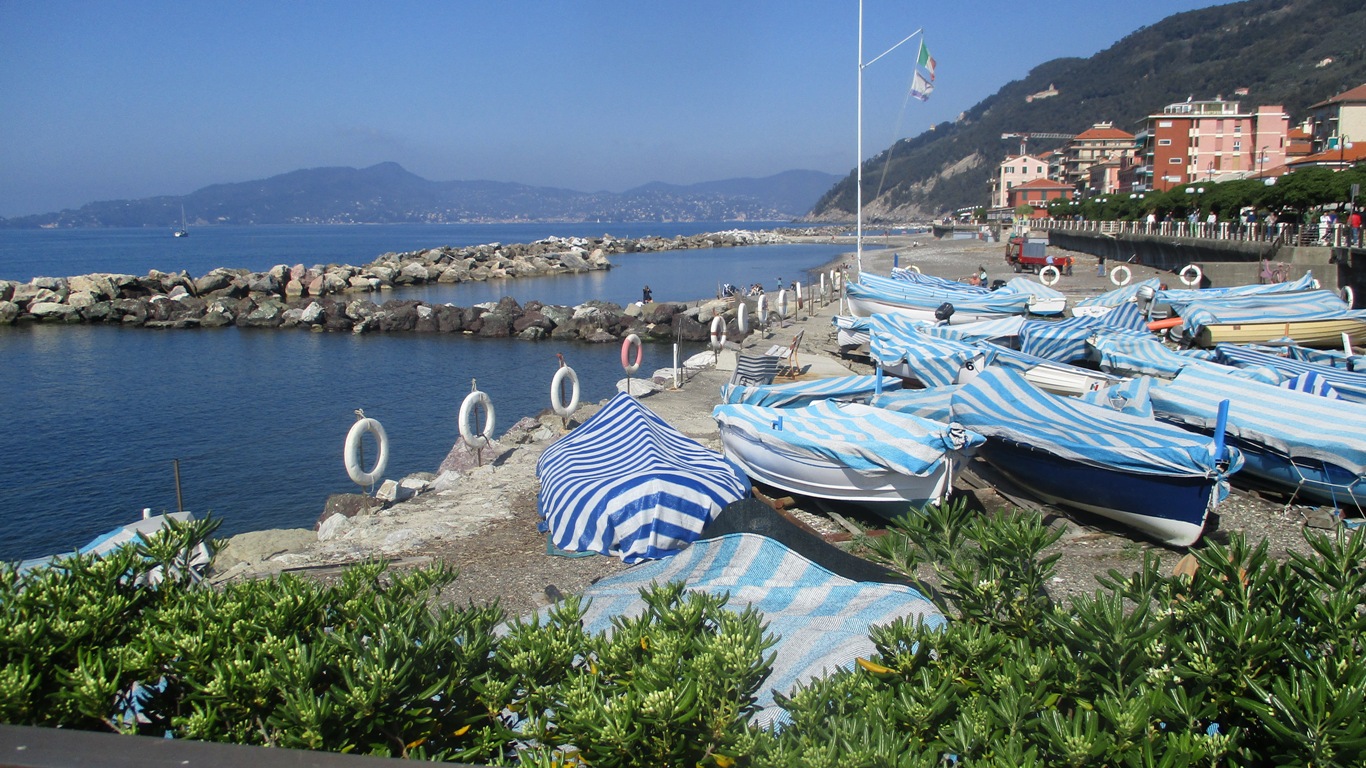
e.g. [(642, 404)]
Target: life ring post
[(474, 436), (627, 364), (564, 375), (353, 456)]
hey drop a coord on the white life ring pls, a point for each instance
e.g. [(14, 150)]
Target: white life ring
[(473, 400), (824, 287), (742, 317), (352, 454), (1193, 280), (1116, 279), (763, 309), (1349, 295), (914, 269), (556, 389), (626, 363), (782, 304), (1049, 270), (718, 332)]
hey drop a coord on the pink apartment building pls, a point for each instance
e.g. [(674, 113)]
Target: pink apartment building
[(1196, 141)]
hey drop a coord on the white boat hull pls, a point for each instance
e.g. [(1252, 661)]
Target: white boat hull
[(862, 306), (808, 476)]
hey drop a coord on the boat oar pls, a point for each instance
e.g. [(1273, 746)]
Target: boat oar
[(1220, 424)]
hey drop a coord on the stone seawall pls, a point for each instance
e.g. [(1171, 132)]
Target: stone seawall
[(328, 297)]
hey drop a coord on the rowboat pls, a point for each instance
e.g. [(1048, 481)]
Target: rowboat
[(846, 452), (1156, 478), (1324, 333)]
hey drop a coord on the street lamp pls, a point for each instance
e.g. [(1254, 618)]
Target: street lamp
[(1261, 163), (1209, 171), (1343, 143)]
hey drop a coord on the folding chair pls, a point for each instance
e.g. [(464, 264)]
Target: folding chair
[(755, 370), (788, 354)]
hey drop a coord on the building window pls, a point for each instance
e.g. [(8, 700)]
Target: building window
[(1176, 160), (1010, 170), (1164, 142), (1237, 146), (1164, 123)]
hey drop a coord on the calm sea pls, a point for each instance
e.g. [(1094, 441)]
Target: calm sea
[(96, 415)]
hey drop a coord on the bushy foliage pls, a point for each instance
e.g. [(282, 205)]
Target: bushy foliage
[(1249, 661)]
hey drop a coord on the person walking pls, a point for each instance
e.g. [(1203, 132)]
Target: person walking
[(1100, 265), (1354, 229)]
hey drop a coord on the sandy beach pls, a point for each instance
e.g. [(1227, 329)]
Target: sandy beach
[(482, 520)]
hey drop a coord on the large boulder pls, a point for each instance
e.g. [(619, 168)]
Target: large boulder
[(269, 313), (53, 312), (449, 318)]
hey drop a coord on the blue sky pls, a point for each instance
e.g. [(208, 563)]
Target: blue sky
[(108, 100)]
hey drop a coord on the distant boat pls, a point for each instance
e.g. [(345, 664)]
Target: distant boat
[(182, 232)]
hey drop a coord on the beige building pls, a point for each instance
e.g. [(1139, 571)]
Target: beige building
[(1100, 143), (1014, 171), (1341, 118)]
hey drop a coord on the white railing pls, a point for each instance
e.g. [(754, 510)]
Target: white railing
[(1329, 235)]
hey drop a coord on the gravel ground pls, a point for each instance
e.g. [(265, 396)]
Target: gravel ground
[(504, 557)]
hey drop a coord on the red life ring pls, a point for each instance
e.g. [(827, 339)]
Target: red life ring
[(626, 344)]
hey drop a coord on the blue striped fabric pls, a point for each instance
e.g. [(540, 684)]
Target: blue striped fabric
[(1329, 357), (908, 294), (1062, 341), (1313, 383), (857, 436), (1120, 295), (822, 620), (933, 403), (625, 483), (1132, 354), (1181, 296), (1264, 308), (896, 341), (1003, 328), (1037, 292), (1349, 385), (1001, 404), (1125, 317), (800, 393), (941, 283), (1295, 424), (1129, 396)]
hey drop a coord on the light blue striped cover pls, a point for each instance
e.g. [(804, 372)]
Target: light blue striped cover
[(1062, 341), (894, 340), (1291, 423), (857, 436), (1133, 354), (1119, 295), (905, 293), (625, 483), (941, 283), (1129, 396), (1182, 296), (933, 403), (1349, 385), (822, 620), (1001, 404), (1035, 290), (982, 330), (800, 393), (1264, 308)]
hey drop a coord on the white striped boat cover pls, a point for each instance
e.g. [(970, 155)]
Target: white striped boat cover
[(904, 293), (1000, 403), (1134, 354), (800, 393), (625, 483), (894, 340), (1181, 296), (933, 403), (857, 436), (822, 620), (1003, 328), (1065, 340), (940, 283), (1295, 424), (1120, 295), (1349, 385), (1313, 383), (1129, 396), (1031, 288)]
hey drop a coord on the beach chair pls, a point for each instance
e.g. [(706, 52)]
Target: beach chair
[(789, 365), (755, 370)]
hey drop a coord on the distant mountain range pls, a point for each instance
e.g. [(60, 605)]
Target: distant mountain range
[(1288, 52), (388, 194)]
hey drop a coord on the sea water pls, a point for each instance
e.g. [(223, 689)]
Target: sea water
[(98, 416)]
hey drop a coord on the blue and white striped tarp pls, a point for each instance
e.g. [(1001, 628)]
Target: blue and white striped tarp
[(857, 436), (908, 294), (822, 620), (1119, 295), (851, 331), (1133, 354), (1312, 383), (895, 341), (1062, 341), (1329, 357), (1125, 317), (1264, 308), (800, 393), (982, 330), (626, 483), (1038, 293), (1000, 403), (1129, 396), (1182, 296), (1349, 385), (1295, 424), (932, 403), (942, 283)]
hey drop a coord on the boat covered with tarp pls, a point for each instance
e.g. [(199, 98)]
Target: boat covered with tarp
[(626, 483), (1311, 446), (1155, 477), (846, 451), (799, 393), (873, 294), (899, 346), (1313, 318)]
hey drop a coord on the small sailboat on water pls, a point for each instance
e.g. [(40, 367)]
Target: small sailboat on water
[(182, 232)]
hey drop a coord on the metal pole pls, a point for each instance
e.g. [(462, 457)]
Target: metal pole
[(179, 502)]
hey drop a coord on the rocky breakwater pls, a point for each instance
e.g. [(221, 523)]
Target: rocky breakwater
[(331, 297)]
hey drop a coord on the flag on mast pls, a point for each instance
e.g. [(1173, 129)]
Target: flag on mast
[(920, 87), (925, 59)]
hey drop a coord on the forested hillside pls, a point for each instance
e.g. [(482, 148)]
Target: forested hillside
[(1274, 48)]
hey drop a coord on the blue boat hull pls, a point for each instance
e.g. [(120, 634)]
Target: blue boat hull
[(1309, 480), (1172, 510)]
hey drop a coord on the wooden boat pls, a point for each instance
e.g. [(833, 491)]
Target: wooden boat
[(846, 452), (1324, 334)]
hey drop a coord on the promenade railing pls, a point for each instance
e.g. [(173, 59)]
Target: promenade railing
[(1328, 235)]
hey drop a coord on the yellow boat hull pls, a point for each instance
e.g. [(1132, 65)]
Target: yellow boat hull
[(1309, 333)]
